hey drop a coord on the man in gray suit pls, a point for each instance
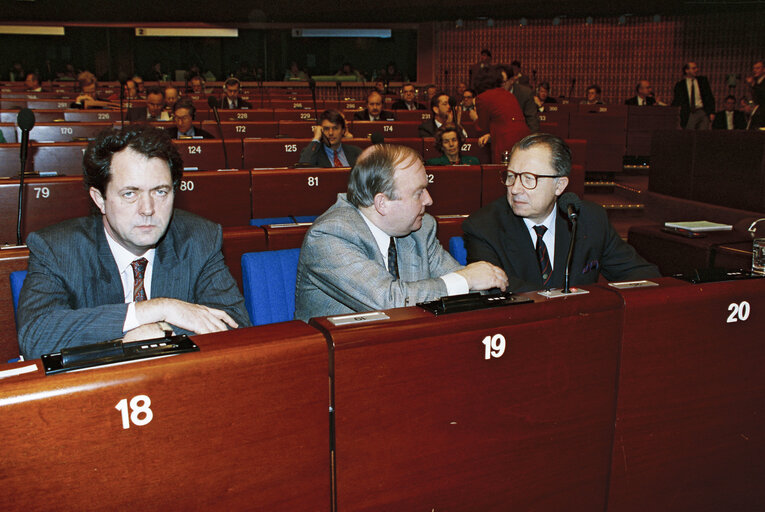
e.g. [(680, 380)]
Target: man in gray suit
[(327, 148), (376, 248), (133, 271)]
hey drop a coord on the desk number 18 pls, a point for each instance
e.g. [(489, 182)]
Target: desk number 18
[(495, 346), (141, 413)]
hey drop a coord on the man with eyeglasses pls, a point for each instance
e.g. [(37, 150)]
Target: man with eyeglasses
[(526, 236)]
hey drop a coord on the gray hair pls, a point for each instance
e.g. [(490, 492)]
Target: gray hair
[(560, 152), (373, 172)]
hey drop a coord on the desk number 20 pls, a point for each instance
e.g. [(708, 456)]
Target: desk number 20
[(738, 312), (495, 346), (141, 413)]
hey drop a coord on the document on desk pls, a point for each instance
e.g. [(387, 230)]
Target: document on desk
[(699, 225)]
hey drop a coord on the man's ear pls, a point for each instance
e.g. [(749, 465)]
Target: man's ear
[(381, 204), (97, 198), (561, 185)]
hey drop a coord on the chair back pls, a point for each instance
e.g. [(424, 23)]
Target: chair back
[(457, 249), (268, 279)]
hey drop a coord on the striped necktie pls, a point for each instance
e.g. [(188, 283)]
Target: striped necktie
[(337, 162), (393, 258), (542, 255)]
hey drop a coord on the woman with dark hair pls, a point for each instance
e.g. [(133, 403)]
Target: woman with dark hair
[(499, 112), (449, 140)]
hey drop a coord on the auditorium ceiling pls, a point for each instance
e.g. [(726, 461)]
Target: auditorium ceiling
[(242, 12)]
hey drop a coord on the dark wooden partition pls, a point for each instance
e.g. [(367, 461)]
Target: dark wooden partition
[(691, 410), (240, 425), (426, 418)]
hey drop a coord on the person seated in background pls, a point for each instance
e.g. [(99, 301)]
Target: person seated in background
[(183, 117), (461, 88), (467, 105), (136, 269), (441, 106), (131, 90), (139, 85), (525, 96), (32, 83), (755, 119), (154, 109), (295, 73), (327, 148), (518, 75), (729, 118), (543, 97), (376, 248), (593, 95), (348, 70), (231, 100), (524, 234), (87, 97), (449, 141), (374, 110), (392, 74), (407, 101), (644, 95), (197, 85), (430, 92), (171, 98)]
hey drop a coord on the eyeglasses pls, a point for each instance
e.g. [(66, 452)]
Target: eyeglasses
[(528, 180)]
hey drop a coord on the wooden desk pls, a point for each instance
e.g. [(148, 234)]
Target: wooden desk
[(675, 254), (240, 425), (691, 408), (455, 189), (297, 192), (220, 196), (424, 421)]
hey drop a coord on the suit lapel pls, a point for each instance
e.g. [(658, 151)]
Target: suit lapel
[(167, 275), (107, 284), (562, 240), (517, 244)]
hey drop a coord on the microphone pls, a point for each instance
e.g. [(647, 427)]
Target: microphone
[(570, 204), (312, 86), (377, 138), (571, 90), (213, 103), (26, 121)]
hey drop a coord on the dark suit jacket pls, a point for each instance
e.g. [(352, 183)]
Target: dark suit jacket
[(197, 131), (525, 97), (401, 105), (314, 155), (385, 115), (495, 234), (73, 293), (427, 128), (681, 99), (720, 122), (238, 104), (634, 101)]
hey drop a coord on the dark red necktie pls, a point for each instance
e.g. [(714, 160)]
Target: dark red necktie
[(139, 271), (337, 162)]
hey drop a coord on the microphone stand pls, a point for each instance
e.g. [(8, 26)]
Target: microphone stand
[(312, 85), (212, 102), (574, 222), (260, 84), (23, 157), (122, 99)]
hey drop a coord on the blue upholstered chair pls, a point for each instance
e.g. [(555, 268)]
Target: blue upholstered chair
[(17, 281), (457, 249), (271, 220), (268, 278)]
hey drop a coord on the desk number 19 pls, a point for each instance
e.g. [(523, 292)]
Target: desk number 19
[(141, 414), (495, 346)]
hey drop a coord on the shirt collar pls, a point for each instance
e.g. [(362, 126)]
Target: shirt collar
[(123, 257), (380, 236)]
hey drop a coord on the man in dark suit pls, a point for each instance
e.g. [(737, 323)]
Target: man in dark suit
[(376, 248), (407, 101), (231, 99), (183, 117), (137, 269), (525, 97), (729, 118), (694, 97), (644, 96), (525, 235), (374, 110), (327, 148), (441, 105), (154, 109)]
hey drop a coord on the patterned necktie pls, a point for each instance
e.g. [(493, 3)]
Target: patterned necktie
[(393, 258), (337, 162), (542, 256), (139, 270)]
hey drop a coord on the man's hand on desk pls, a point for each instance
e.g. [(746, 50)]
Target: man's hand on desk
[(484, 276), (146, 332), (192, 317)]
